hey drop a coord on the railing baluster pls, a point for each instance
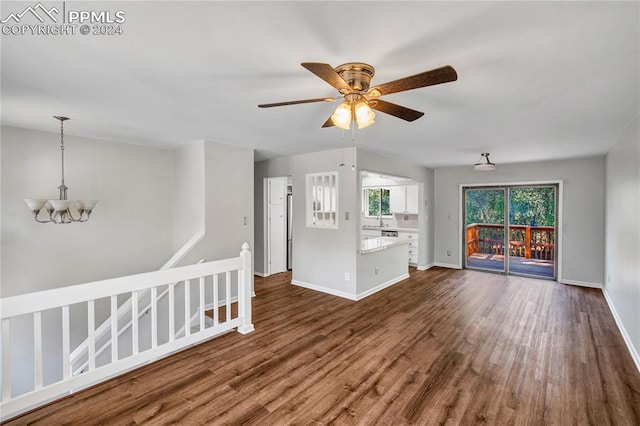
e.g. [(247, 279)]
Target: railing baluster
[(37, 348), (187, 307), (6, 359), (172, 312), (114, 328), (227, 283), (134, 322), (216, 319), (154, 317), (91, 326), (66, 340), (201, 307)]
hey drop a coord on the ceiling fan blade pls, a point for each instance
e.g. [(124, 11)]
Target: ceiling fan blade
[(303, 101), (328, 74), (428, 78), (328, 123), (399, 111)]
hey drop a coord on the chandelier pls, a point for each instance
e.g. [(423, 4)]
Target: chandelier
[(61, 210)]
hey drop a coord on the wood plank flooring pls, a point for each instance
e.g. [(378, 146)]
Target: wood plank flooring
[(443, 347)]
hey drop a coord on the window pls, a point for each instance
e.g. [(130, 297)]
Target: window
[(377, 202), (322, 200)]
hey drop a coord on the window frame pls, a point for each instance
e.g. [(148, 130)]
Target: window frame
[(365, 201), (317, 198)]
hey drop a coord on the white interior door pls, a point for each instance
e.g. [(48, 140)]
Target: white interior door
[(276, 225)]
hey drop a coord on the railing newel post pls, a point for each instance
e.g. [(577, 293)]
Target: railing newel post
[(244, 291)]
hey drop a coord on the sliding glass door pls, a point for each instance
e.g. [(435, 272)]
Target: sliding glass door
[(511, 229), (485, 220)]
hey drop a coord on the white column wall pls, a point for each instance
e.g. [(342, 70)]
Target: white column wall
[(622, 218)]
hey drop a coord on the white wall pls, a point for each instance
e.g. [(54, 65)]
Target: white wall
[(583, 211), (188, 192), (321, 257), (622, 218), (130, 231)]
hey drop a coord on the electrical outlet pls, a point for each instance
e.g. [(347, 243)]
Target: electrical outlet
[(346, 215), (376, 270), (347, 276), (448, 252)]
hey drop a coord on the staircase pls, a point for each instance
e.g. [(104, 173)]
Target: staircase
[(150, 316)]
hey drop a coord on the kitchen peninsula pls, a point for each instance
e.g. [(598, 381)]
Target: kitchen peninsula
[(382, 263)]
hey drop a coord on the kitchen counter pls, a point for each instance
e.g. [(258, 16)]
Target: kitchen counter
[(389, 228), (381, 243)]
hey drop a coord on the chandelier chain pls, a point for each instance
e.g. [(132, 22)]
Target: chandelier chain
[(62, 147)]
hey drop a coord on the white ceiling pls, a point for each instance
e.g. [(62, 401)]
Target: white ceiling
[(536, 80)]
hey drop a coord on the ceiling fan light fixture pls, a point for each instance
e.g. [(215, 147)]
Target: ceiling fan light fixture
[(342, 116), (365, 116), (484, 165)]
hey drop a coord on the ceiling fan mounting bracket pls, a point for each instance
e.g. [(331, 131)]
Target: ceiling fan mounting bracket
[(357, 74)]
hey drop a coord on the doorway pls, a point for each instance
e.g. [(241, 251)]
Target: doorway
[(277, 224), (511, 229)]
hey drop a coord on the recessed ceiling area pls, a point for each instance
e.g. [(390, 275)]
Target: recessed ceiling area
[(536, 80)]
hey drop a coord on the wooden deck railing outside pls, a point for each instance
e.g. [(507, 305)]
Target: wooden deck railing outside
[(531, 242)]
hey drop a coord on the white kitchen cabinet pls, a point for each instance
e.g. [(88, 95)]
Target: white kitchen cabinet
[(277, 191), (404, 199), (412, 199), (398, 199), (413, 247)]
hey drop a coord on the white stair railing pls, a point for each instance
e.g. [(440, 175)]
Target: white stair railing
[(78, 356), (199, 280), (105, 327)]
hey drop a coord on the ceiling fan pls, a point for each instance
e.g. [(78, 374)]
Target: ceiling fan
[(352, 80)]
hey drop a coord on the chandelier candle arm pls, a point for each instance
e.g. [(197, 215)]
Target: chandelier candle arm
[(59, 211)]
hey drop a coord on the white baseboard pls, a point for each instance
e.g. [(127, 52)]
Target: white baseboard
[(425, 267), (260, 274), (623, 331), (447, 265), (382, 286), (581, 283), (326, 290)]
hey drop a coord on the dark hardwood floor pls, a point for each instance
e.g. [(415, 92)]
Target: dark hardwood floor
[(443, 347)]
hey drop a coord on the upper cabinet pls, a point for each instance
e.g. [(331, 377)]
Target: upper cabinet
[(404, 199), (398, 199), (277, 190), (412, 199)]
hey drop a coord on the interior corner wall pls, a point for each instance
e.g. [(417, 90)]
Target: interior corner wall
[(622, 230), (374, 162), (189, 192), (583, 211), (321, 257), (228, 200), (129, 231)]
